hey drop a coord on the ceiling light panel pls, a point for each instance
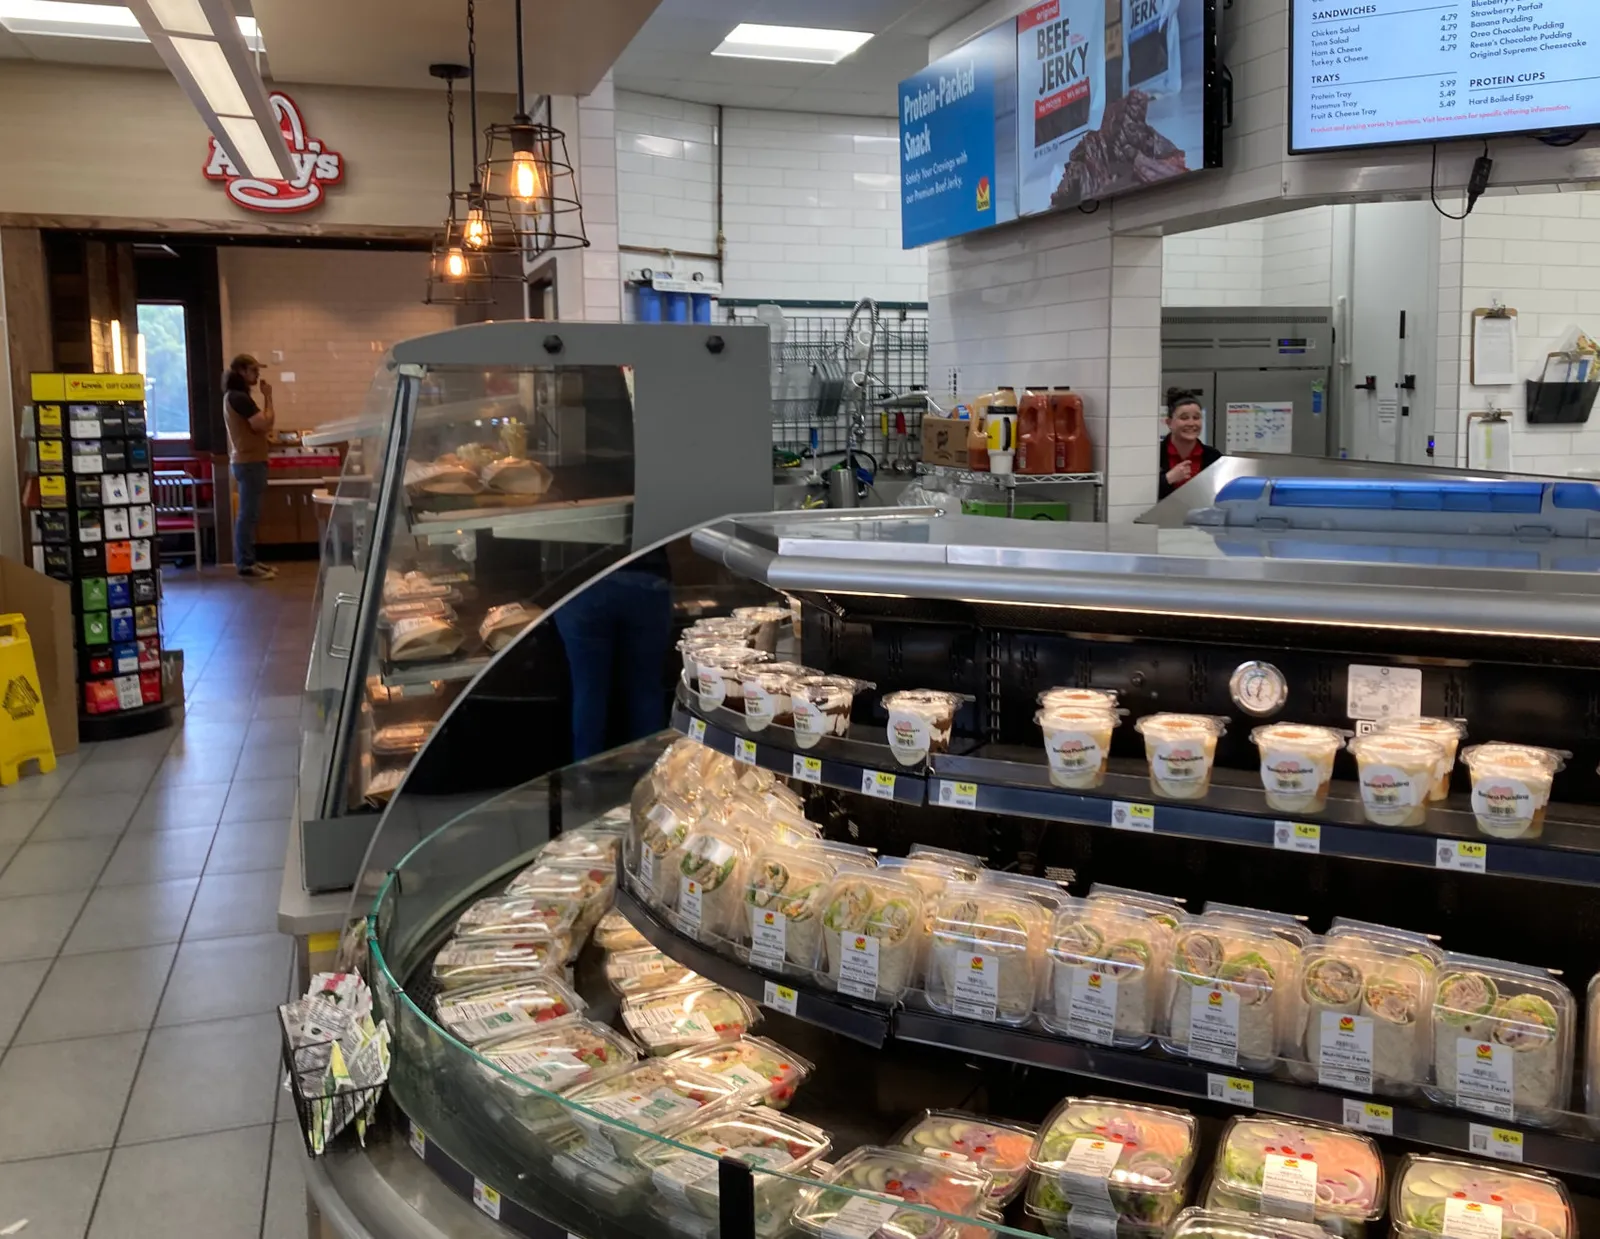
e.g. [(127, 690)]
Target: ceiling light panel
[(112, 22), (252, 146), (181, 17), (797, 44), (209, 68)]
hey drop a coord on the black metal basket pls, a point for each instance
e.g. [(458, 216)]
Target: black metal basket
[(346, 1104)]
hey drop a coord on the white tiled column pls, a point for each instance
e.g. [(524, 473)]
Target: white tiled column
[(589, 281), (1135, 379)]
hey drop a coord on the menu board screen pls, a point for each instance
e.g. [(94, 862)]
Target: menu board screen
[(1382, 72)]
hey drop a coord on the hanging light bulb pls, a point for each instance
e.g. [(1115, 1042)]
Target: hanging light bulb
[(455, 263), (527, 185), (475, 231)]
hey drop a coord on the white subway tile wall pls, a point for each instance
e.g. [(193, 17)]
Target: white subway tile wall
[(597, 179), (1540, 254), (810, 202), (1280, 260), (332, 314)]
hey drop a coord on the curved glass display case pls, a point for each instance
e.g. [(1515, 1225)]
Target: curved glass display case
[(849, 940), (493, 469)]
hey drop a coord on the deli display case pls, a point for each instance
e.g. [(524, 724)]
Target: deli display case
[(493, 469), (964, 901)]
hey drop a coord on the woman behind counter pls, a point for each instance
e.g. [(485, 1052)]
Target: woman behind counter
[(1182, 454)]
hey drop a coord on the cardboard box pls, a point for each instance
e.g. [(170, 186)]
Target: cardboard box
[(47, 606), (944, 441)]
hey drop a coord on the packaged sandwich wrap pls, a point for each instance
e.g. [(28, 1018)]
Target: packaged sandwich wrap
[(784, 890), (1502, 1039), (1367, 1024), (986, 949), (1106, 970), (1224, 1002), (872, 933)]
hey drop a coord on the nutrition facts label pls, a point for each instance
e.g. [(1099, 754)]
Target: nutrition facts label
[(1381, 71)]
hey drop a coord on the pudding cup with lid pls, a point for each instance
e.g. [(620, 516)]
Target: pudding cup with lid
[(1511, 787), (1297, 765), (1396, 771), (1181, 749), (1077, 743)]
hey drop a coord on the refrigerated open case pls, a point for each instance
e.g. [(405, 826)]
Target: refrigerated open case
[(961, 981), (495, 468)]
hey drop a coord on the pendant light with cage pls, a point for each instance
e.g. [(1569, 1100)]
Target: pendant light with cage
[(457, 274), (528, 182)]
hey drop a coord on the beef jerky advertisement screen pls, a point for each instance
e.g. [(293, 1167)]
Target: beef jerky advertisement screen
[(1111, 97)]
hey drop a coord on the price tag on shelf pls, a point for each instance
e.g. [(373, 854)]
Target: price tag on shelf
[(1369, 1116), (1140, 817), (1231, 1089), (418, 1140), (1463, 857), (780, 998), (1297, 837), (744, 751), (486, 1198), (808, 769), (958, 795), (877, 783), (697, 730), (1500, 1143)]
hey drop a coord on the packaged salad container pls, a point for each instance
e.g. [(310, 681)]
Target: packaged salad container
[(1307, 1172), (1197, 1223), (998, 1147), (657, 1096), (553, 1059), (666, 825), (485, 1012), (710, 895), (1138, 1157), (591, 844), (644, 971), (1181, 749), (783, 896), (516, 916), (1447, 733), (1367, 1013), (1106, 972), (690, 1017), (872, 931), (1398, 772), (1511, 787), (986, 952), (1225, 1002), (615, 933), (464, 962), (920, 723), (764, 1141), (1502, 1039), (1435, 1195), (889, 1176), (1060, 1218), (594, 1174), (768, 1073), (589, 885)]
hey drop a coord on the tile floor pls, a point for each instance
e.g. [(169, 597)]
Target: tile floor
[(140, 963)]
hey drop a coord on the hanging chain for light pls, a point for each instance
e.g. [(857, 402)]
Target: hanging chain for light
[(457, 274), (477, 233)]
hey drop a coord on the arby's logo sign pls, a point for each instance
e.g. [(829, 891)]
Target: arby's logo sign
[(315, 168)]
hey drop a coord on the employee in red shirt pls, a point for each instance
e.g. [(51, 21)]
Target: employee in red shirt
[(1182, 453)]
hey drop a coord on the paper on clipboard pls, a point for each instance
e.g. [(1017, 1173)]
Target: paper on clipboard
[(1494, 348)]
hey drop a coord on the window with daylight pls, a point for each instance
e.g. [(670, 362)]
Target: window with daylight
[(164, 358)]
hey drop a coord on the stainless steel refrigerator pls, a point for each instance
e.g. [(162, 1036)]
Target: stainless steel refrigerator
[(1264, 375)]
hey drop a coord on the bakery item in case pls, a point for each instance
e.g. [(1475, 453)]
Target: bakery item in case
[(504, 623), (511, 475), (423, 640), (447, 475)]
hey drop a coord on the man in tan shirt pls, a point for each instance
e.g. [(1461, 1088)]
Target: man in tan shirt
[(249, 428)]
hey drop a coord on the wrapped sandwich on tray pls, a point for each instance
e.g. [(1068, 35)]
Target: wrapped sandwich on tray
[(501, 624), (448, 475), (1106, 971), (986, 947), (1224, 1004), (1367, 1004), (423, 639), (512, 475), (784, 889), (872, 932)]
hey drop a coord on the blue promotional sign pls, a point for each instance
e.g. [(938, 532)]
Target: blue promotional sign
[(958, 141)]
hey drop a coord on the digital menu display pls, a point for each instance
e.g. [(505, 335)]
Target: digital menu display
[(1382, 72)]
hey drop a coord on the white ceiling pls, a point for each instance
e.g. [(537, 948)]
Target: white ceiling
[(671, 55), (570, 44)]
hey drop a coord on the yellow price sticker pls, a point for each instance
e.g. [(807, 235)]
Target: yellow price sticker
[(780, 998), (1370, 1116), (1462, 856), (1232, 1090), (879, 783), (958, 795), (744, 751), (486, 1198), (1500, 1143), (697, 730), (1136, 817), (418, 1140), (1297, 837)]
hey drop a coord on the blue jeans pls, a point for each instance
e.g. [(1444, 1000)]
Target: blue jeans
[(620, 625), (250, 479)]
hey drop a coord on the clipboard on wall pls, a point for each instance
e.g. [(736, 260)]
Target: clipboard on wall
[(1494, 347)]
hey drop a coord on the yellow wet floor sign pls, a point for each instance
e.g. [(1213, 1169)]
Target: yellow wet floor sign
[(24, 732)]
